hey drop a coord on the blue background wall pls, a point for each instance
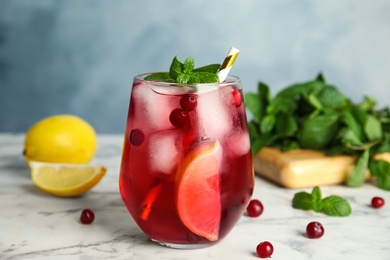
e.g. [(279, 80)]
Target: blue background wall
[(79, 56)]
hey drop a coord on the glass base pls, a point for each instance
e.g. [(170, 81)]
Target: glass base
[(182, 246)]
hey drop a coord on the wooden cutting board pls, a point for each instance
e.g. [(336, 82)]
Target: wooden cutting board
[(305, 168)]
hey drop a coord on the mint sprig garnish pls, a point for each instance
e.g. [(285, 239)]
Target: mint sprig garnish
[(331, 206), (187, 73)]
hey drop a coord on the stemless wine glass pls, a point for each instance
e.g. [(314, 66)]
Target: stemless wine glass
[(186, 173)]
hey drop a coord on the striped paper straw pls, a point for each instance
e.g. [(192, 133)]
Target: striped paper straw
[(227, 64)]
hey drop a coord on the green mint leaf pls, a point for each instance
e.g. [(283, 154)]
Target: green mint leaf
[(183, 78), (352, 136), (384, 146), (176, 68), (302, 200), (194, 78), (353, 125), (300, 90), (159, 76), (370, 124), (262, 141), (253, 129), (189, 65), (336, 206), (212, 68), (256, 145), (257, 103), (317, 132), (349, 138), (380, 170), (367, 104), (286, 125), (313, 100), (205, 77), (267, 124), (356, 178), (317, 199), (331, 97), (254, 105), (281, 104), (320, 77), (254, 136), (264, 95), (373, 128)]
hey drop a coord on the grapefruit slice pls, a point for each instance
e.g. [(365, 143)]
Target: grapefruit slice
[(199, 188)]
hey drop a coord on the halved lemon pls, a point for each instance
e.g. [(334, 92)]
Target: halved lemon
[(66, 180), (199, 190)]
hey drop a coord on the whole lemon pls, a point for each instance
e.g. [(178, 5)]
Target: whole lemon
[(60, 139)]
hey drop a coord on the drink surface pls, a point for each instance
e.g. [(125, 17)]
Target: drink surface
[(186, 174)]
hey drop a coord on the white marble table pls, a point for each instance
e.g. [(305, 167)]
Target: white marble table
[(35, 225)]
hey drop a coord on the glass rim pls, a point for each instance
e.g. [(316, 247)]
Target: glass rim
[(230, 79)]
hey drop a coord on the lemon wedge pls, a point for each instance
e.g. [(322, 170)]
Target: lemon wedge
[(66, 180)]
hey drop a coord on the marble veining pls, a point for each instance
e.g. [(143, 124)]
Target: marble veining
[(35, 225)]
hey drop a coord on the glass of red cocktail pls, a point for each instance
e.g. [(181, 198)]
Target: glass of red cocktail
[(186, 174)]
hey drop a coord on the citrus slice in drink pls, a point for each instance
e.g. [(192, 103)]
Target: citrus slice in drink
[(65, 180), (199, 189)]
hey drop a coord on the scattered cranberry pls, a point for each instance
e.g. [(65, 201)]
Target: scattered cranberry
[(179, 118), (314, 230), (236, 98), (255, 208), (265, 249), (87, 216), (136, 137), (377, 202), (188, 102)]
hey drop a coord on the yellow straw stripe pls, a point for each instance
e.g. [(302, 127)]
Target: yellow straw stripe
[(229, 61), (227, 64)]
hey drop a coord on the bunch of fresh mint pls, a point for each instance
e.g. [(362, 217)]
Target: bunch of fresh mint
[(187, 73), (316, 115), (331, 206)]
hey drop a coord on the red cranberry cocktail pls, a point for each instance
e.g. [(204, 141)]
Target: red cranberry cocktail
[(186, 173)]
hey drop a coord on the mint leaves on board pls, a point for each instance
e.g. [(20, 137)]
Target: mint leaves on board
[(187, 73), (316, 115), (331, 206)]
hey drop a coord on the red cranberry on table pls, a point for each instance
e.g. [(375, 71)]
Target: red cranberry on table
[(87, 216), (255, 208), (314, 230), (377, 202), (265, 249)]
